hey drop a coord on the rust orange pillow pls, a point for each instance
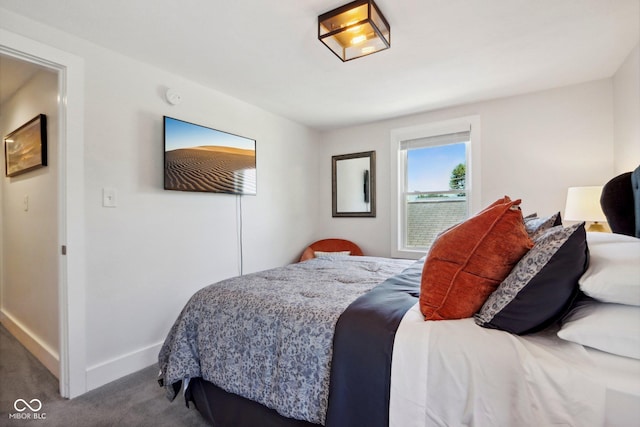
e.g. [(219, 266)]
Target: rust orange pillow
[(468, 261)]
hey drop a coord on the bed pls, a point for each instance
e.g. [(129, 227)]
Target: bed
[(551, 337)]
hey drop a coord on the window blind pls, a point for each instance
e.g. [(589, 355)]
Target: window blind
[(430, 141)]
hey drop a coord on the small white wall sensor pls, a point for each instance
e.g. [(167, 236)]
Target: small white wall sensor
[(173, 97)]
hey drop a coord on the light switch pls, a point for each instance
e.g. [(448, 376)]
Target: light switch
[(109, 197), (25, 203)]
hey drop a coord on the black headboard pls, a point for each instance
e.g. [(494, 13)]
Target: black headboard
[(620, 203)]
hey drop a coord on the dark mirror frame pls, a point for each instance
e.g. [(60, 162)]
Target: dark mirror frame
[(368, 185)]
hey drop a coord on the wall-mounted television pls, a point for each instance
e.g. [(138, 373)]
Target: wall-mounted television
[(199, 158)]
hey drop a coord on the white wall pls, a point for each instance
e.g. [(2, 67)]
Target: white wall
[(626, 111), (29, 285), (533, 147), (148, 255)]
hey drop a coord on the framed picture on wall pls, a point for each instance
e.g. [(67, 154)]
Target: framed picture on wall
[(25, 148)]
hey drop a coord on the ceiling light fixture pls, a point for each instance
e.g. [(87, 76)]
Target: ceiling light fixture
[(354, 30)]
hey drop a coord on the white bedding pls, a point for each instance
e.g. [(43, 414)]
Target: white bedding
[(621, 375), (452, 373)]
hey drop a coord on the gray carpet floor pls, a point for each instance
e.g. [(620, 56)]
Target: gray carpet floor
[(132, 401)]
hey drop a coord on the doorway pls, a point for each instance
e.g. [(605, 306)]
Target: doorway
[(29, 219), (69, 189)]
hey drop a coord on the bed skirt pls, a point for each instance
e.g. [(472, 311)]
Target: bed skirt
[(222, 409)]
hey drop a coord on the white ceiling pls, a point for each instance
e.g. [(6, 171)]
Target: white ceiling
[(443, 52)]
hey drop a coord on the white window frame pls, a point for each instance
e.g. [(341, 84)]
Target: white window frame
[(398, 167)]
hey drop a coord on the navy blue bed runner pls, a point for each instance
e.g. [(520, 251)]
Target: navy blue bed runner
[(362, 350)]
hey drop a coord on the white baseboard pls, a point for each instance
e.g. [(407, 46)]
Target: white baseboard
[(105, 372), (46, 355)]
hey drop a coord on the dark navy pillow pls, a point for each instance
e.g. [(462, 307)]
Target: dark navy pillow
[(543, 284)]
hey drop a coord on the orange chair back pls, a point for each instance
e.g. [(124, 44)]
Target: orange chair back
[(330, 245)]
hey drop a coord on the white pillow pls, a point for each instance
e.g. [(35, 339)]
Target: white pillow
[(614, 328), (321, 254), (595, 238), (614, 269)]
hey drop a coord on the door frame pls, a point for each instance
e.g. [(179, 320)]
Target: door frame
[(71, 236)]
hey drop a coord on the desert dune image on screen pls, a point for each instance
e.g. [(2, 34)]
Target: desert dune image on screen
[(198, 158)]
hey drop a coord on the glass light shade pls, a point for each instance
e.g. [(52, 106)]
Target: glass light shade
[(583, 204), (354, 30)]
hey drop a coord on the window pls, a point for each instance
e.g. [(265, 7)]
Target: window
[(433, 182), (434, 196)]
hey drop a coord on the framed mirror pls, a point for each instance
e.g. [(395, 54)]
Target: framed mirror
[(353, 179)]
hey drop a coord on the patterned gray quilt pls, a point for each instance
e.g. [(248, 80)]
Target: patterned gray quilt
[(268, 336)]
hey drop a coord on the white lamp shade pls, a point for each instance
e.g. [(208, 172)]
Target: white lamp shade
[(583, 204)]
